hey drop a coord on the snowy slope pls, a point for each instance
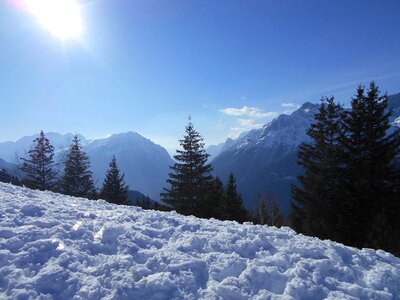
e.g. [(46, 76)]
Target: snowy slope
[(54, 246)]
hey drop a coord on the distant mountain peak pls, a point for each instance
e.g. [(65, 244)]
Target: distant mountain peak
[(128, 134), (307, 108)]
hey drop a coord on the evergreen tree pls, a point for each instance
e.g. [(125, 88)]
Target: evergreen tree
[(114, 189), (350, 189), (147, 203), (7, 178), (370, 182), (39, 168), (314, 201), (233, 202), (214, 204), (77, 180), (191, 179)]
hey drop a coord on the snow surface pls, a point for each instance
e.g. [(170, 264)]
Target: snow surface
[(54, 246)]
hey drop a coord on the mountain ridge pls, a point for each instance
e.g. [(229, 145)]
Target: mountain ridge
[(145, 164)]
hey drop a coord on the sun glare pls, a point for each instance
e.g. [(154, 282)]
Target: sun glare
[(61, 17)]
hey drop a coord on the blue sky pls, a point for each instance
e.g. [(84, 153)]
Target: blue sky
[(232, 65)]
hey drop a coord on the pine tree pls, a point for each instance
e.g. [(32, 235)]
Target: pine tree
[(191, 179), (114, 189), (233, 202), (7, 178), (314, 201), (370, 181), (213, 205), (77, 180), (39, 168)]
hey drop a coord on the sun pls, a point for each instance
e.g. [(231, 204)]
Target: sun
[(61, 17)]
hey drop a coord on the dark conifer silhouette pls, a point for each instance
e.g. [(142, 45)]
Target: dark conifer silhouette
[(39, 168), (233, 206), (213, 206), (371, 195), (7, 178), (350, 188), (77, 180), (314, 201), (114, 189), (190, 180)]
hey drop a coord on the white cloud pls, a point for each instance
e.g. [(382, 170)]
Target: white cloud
[(246, 111), (290, 107), (249, 123), (247, 118)]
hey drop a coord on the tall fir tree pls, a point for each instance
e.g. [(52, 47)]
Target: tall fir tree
[(39, 168), (314, 201), (77, 179), (370, 182), (190, 179), (233, 202), (114, 189)]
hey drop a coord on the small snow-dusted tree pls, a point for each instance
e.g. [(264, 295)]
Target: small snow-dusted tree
[(190, 179), (77, 180), (114, 189), (39, 168)]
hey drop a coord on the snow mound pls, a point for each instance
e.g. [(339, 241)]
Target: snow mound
[(54, 246)]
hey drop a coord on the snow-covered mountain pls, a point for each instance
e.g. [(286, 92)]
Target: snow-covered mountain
[(394, 104), (144, 163), (264, 160), (215, 150), (13, 151), (58, 247)]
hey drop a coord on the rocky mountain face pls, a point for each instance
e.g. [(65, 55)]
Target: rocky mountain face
[(264, 160)]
